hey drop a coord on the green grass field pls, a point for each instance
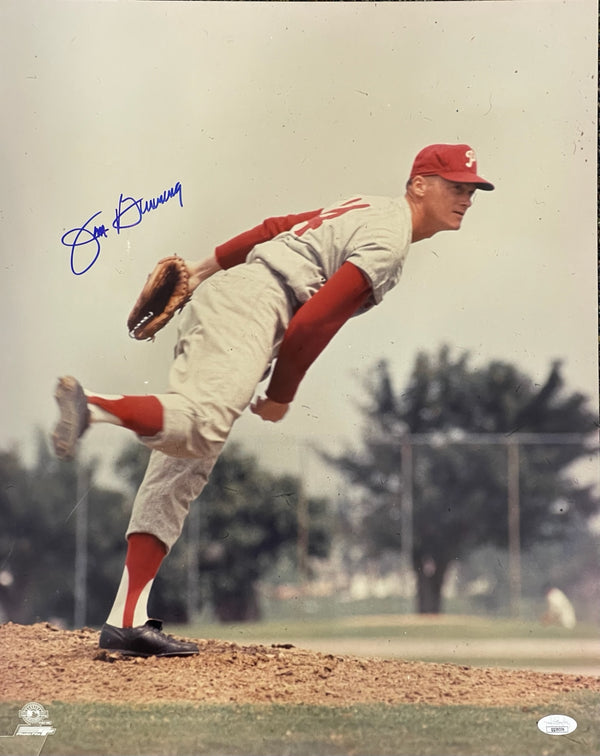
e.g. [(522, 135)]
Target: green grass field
[(410, 627), (419, 730), (455, 639)]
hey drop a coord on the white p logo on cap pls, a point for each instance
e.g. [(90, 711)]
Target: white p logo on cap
[(470, 155)]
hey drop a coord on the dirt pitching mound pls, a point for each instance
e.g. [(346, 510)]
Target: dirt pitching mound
[(44, 663)]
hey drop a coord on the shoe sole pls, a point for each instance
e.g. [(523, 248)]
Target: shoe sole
[(125, 652), (72, 405)]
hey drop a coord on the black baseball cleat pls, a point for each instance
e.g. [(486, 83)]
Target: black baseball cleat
[(74, 416), (144, 640)]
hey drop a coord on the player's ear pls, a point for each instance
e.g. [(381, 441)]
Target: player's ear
[(418, 186)]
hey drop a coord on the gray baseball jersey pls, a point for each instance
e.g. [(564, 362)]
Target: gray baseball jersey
[(373, 233)]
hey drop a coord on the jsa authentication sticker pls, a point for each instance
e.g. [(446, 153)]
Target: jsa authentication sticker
[(557, 724)]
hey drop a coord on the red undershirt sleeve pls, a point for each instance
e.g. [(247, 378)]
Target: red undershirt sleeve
[(235, 251), (313, 326)]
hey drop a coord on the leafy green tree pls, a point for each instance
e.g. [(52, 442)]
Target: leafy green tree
[(460, 492), (38, 509), (244, 520), (16, 550)]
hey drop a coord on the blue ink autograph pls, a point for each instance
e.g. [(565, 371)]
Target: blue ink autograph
[(128, 213)]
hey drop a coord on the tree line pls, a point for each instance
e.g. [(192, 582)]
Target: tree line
[(460, 490), (248, 519)]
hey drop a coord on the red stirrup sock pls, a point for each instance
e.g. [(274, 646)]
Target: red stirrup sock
[(141, 414), (145, 554)]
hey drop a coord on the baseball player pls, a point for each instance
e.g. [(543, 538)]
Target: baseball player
[(559, 610), (277, 292)]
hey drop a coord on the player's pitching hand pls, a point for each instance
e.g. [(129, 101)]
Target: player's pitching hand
[(268, 409)]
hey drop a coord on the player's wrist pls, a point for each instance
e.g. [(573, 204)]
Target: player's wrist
[(270, 410), (201, 270)]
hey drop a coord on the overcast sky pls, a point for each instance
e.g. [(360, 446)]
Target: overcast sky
[(259, 109)]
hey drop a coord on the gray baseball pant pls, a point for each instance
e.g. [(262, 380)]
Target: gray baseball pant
[(229, 334)]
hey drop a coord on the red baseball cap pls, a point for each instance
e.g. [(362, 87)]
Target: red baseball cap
[(454, 162)]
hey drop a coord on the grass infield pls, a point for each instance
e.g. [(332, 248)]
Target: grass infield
[(443, 638), (402, 626), (415, 730)]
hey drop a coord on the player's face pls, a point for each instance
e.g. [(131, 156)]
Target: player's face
[(447, 202)]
